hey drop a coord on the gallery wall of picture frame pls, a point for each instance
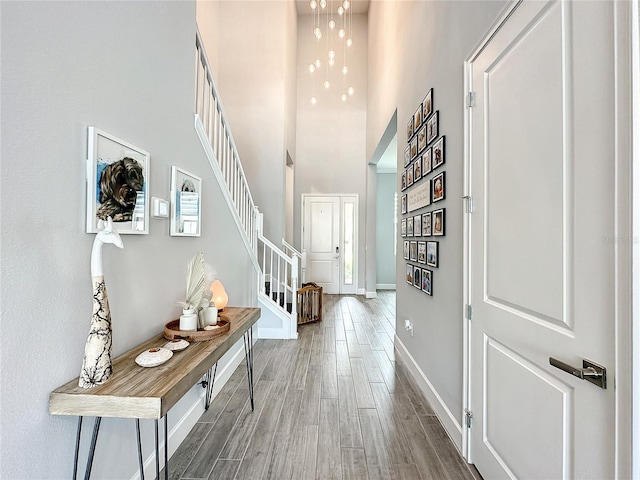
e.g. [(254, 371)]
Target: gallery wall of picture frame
[(423, 183)]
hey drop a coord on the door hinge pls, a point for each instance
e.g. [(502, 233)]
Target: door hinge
[(469, 312), (469, 200), (468, 417), (471, 99)]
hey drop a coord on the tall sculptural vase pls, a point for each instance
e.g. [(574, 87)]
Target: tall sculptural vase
[(96, 364)]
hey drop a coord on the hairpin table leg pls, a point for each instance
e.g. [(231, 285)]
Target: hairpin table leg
[(75, 456), (92, 448), (248, 354), (166, 447), (209, 379), (157, 452), (139, 449)]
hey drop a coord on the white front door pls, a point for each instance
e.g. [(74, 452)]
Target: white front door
[(542, 264), (329, 240)]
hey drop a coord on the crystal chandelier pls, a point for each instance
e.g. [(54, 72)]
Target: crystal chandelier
[(334, 24)]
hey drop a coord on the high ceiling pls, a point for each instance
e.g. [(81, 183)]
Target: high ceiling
[(358, 6)]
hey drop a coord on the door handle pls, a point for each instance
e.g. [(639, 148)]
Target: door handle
[(591, 372), (337, 253)]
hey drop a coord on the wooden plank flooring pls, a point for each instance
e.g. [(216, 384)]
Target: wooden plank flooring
[(333, 404)]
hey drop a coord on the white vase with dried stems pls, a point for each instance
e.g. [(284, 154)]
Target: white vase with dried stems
[(200, 275)]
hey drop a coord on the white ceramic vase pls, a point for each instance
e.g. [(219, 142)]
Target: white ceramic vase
[(188, 320), (209, 316)]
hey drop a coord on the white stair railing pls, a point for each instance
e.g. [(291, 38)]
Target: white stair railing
[(291, 251), (276, 268)]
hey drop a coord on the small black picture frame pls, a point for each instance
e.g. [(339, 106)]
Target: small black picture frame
[(417, 169), (422, 138), (426, 224), (432, 127), (438, 222), (403, 181), (417, 225), (427, 281), (427, 104), (410, 227), (417, 118), (403, 204), (413, 251), (405, 249), (414, 148), (432, 254), (403, 227), (438, 187), (409, 274), (407, 156), (427, 161), (422, 252), (410, 128), (409, 175), (438, 153), (417, 276)]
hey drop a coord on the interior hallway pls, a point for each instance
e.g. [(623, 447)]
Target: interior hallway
[(332, 405)]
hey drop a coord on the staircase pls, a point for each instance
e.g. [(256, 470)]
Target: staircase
[(277, 270)]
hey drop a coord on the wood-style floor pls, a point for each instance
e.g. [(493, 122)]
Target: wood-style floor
[(333, 404)]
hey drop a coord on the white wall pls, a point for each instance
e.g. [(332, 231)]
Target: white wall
[(414, 46), (330, 150), (255, 63), (385, 258), (127, 68)]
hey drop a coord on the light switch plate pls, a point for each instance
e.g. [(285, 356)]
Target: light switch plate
[(159, 208)]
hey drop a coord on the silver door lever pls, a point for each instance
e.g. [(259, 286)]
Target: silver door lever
[(591, 372)]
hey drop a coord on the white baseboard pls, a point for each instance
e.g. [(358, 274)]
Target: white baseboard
[(385, 286), (183, 426), (371, 295), (447, 418)]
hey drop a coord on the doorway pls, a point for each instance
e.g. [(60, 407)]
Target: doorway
[(329, 240)]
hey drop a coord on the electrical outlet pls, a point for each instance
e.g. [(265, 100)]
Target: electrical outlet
[(408, 326)]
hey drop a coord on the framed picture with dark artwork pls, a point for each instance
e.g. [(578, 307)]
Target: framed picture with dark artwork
[(432, 127), (427, 281), (416, 276), (403, 227), (417, 169), (422, 252), (426, 224), (413, 251), (409, 274), (437, 187), (117, 184), (403, 204), (417, 225), (410, 227), (403, 181), (426, 161), (427, 104), (437, 220), (407, 156), (405, 249), (186, 197), (422, 138), (432, 254), (438, 152)]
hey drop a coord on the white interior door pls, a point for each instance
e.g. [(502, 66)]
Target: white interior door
[(330, 241), (321, 241), (542, 273)]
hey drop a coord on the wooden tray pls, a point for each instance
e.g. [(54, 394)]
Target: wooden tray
[(172, 331)]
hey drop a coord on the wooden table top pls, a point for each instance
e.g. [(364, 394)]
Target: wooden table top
[(138, 392)]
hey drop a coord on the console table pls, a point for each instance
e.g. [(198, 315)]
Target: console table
[(138, 392)]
